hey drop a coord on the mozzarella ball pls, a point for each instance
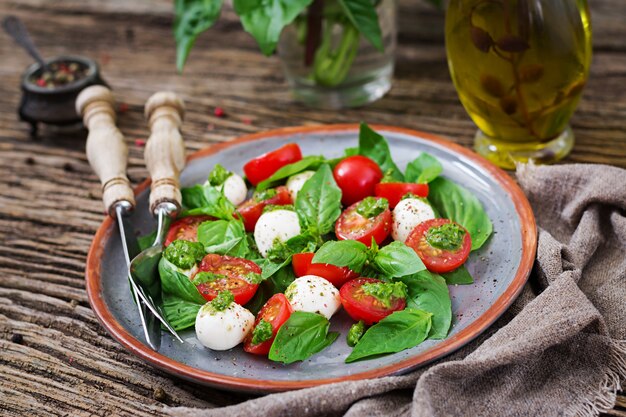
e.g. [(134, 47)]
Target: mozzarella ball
[(223, 330), (409, 213), (313, 294), (277, 225), (295, 183)]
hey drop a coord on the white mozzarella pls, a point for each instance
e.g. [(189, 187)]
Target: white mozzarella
[(223, 330), (313, 294), (277, 225), (409, 213), (295, 183), (235, 190)]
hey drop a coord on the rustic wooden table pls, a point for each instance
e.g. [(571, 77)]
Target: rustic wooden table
[(55, 357)]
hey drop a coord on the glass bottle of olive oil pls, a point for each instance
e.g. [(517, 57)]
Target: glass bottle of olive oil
[(519, 67)]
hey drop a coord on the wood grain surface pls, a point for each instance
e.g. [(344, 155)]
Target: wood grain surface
[(55, 358)]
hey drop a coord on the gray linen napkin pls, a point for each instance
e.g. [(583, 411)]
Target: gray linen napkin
[(560, 350)]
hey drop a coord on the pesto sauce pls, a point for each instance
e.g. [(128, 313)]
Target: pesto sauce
[(219, 175), (223, 300), (385, 291), (355, 333), (183, 253), (262, 331), (371, 207), (448, 236)]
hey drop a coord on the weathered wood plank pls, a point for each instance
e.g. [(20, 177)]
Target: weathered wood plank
[(56, 358)]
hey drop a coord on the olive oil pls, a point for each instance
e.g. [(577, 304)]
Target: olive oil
[(519, 67)]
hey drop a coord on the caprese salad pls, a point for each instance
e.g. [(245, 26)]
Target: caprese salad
[(268, 260)]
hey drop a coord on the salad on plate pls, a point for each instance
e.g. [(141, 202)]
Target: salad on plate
[(267, 260)]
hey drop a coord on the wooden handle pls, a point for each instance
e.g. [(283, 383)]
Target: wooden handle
[(106, 150), (165, 150)]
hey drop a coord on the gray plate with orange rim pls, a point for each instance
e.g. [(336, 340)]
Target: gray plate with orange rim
[(500, 268)]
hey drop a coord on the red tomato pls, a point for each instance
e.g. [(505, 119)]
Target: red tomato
[(336, 275), (262, 167), (251, 210), (352, 226), (362, 306), (356, 176), (186, 228), (276, 311), (394, 191), (236, 281), (435, 259)]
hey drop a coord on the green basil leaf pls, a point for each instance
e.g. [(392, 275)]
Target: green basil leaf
[(265, 20), (192, 18), (224, 237), (351, 151), (423, 169), (269, 268), (375, 147), (308, 162), (301, 336), (363, 15), (456, 203), (348, 253), (398, 331), (459, 276), (181, 299), (180, 313), (319, 202), (428, 291), (397, 260), (208, 200)]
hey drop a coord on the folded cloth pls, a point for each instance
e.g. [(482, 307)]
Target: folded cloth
[(559, 350)]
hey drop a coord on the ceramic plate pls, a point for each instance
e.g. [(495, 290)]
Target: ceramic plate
[(500, 268)]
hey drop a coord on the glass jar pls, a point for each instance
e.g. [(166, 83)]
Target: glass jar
[(329, 64), (519, 67)]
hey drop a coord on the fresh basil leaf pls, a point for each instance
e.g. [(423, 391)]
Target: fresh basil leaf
[(456, 203), (224, 237), (375, 147), (181, 299), (208, 200), (265, 20), (269, 267), (318, 203), (363, 15), (397, 260), (398, 331), (348, 253), (304, 242), (459, 276), (301, 336), (308, 162), (351, 151), (180, 313), (192, 18), (423, 169), (428, 291), (176, 283)]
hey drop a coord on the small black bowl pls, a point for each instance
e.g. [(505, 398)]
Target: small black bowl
[(55, 106)]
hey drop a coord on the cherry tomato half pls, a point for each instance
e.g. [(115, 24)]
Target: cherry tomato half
[(356, 176), (362, 306), (336, 275), (394, 191), (276, 311), (352, 226), (435, 259), (186, 228), (251, 210), (262, 167), (236, 272)]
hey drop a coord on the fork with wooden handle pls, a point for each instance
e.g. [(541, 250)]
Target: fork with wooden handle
[(165, 158), (108, 154)]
